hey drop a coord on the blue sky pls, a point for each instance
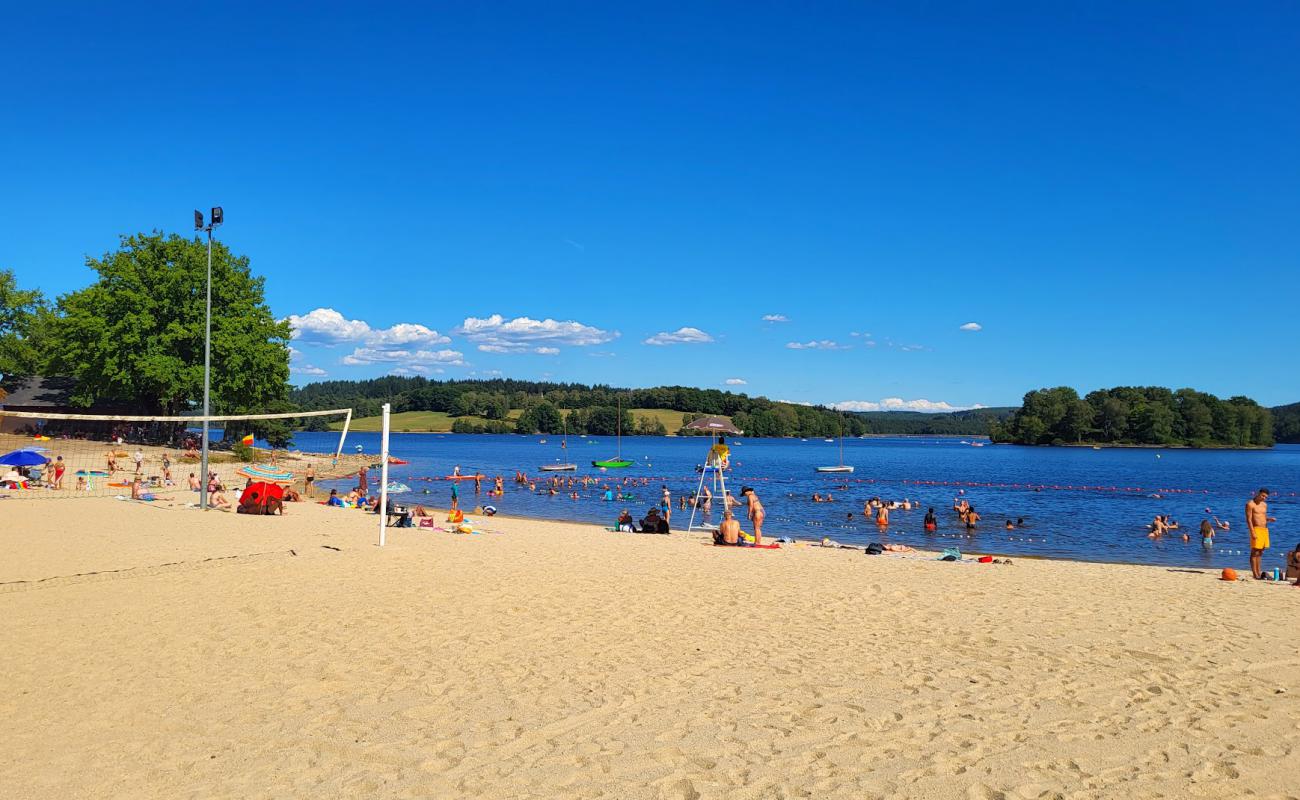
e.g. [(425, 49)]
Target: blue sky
[(622, 193)]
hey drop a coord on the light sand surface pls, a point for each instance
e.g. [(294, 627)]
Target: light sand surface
[(245, 657)]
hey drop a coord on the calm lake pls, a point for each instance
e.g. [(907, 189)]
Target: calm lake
[(1079, 503)]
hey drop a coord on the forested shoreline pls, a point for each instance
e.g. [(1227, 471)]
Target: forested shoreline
[(1136, 416), (513, 406)]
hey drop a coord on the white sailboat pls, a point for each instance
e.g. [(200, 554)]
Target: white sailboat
[(840, 467), (561, 465)]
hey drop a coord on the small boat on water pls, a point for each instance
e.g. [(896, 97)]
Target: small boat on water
[(617, 462), (840, 467), (560, 465)]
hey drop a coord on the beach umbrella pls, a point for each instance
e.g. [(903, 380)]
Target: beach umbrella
[(23, 458), (713, 425), (266, 472)]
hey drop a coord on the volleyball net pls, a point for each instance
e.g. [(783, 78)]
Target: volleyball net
[(51, 456)]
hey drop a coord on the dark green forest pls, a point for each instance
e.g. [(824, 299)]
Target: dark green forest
[(1286, 423), (1137, 415)]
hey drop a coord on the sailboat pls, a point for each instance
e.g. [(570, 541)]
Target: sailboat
[(618, 462), (561, 466), (841, 467)]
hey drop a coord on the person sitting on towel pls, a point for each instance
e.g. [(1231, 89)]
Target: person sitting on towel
[(653, 523), (728, 533)]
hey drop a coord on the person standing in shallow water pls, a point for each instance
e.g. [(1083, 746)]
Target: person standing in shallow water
[(1257, 520)]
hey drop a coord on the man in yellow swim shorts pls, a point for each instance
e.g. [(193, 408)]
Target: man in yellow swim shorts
[(1257, 520)]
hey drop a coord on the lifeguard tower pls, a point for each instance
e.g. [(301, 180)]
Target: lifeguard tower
[(713, 474)]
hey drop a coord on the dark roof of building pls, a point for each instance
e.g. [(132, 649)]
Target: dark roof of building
[(38, 392)]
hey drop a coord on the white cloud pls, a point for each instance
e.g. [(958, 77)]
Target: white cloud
[(899, 404), (327, 326), (496, 334), (546, 351), (298, 365), (735, 381), (679, 336), (414, 369), (408, 358), (822, 344), (775, 318), (972, 326), (602, 354), (911, 348)]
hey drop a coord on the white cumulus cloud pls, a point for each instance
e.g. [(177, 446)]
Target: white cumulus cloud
[(680, 336), (327, 326), (972, 326), (415, 369), (308, 369), (496, 334), (899, 404), (735, 381), (546, 351), (775, 318), (362, 356), (820, 344)]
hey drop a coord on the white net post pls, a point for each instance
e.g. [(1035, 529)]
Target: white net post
[(383, 479), (347, 423)]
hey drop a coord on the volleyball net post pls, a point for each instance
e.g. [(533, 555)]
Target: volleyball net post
[(382, 511)]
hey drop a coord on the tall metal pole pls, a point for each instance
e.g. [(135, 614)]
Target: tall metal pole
[(207, 376)]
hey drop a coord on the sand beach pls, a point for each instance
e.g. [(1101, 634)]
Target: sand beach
[(153, 651)]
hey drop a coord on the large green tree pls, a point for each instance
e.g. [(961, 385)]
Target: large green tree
[(22, 316), (135, 336)]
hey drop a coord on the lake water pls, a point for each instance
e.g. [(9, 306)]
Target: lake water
[(1106, 521)]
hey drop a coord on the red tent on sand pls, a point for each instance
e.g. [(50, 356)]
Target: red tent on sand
[(257, 495)]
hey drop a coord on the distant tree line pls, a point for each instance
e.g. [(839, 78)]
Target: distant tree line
[(1139, 415), (485, 406), (1286, 423)]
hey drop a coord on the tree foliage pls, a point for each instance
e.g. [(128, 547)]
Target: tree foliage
[(135, 336), (1146, 415), (23, 313), (1286, 423)]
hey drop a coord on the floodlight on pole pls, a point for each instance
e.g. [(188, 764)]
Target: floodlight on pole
[(216, 218)]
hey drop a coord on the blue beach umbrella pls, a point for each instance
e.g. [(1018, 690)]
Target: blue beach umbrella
[(23, 458)]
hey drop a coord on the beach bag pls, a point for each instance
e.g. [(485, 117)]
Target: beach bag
[(874, 549), (426, 523)]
